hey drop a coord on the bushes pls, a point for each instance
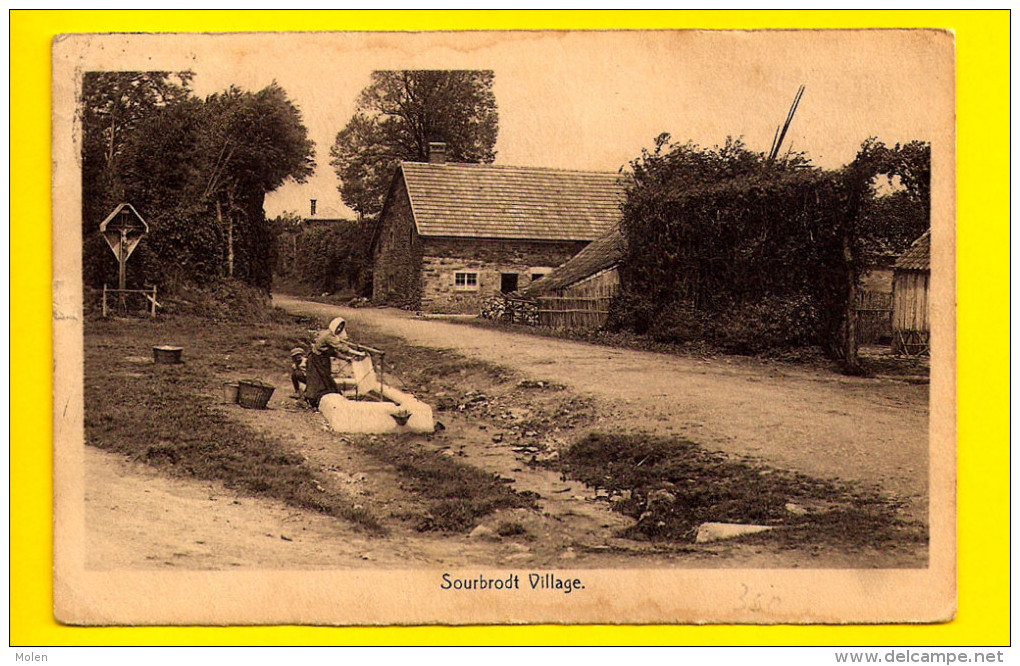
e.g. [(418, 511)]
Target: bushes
[(752, 254), (226, 300), (772, 324), (328, 256), (183, 246), (762, 260)]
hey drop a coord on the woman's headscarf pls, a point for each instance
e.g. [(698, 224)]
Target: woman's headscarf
[(338, 327)]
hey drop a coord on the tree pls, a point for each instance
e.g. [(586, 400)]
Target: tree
[(197, 170), (895, 220), (253, 143), (671, 168), (399, 114), (747, 253), (113, 105)]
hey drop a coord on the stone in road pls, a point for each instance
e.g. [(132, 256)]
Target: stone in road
[(814, 421)]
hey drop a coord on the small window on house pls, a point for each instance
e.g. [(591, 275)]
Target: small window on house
[(465, 281), (313, 201), (508, 282), (537, 276)]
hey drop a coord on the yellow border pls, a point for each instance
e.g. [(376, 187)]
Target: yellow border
[(983, 132)]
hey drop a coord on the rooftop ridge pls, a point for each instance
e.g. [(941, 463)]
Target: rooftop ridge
[(474, 165)]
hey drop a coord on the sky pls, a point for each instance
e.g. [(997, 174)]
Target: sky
[(593, 100)]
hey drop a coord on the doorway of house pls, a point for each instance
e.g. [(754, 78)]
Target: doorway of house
[(508, 282)]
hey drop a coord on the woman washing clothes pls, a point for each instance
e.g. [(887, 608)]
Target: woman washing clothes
[(329, 343)]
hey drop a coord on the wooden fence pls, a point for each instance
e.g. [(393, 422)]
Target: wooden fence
[(120, 303), (874, 316), (573, 312)]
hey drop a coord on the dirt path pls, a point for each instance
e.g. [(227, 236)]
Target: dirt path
[(871, 431), (138, 518)]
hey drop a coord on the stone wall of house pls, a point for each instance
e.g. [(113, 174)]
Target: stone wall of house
[(396, 273), (488, 260)]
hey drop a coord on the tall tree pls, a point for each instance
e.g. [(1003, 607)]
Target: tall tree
[(254, 142), (197, 170), (113, 104), (399, 114)]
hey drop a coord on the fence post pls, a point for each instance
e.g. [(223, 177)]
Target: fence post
[(153, 301), (104, 301)]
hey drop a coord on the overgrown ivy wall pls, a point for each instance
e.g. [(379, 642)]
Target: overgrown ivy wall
[(751, 264)]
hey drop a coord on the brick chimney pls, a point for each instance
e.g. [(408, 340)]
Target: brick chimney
[(437, 152)]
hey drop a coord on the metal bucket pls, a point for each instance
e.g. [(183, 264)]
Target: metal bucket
[(230, 392), (167, 354)]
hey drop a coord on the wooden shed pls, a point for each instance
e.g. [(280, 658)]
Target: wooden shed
[(911, 283), (577, 294)]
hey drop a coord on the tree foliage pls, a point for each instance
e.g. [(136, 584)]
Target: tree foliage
[(895, 220), (197, 170), (399, 114), (326, 256), (113, 104)]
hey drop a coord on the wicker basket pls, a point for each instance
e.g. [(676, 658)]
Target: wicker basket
[(254, 394), (167, 354)]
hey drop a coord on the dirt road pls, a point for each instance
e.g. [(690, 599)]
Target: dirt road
[(140, 519), (871, 431)]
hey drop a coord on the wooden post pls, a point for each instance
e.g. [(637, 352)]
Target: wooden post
[(104, 300), (153, 300), (230, 238), (122, 260)]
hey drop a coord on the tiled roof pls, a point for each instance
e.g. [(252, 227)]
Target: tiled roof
[(918, 255), (598, 256), (487, 201)]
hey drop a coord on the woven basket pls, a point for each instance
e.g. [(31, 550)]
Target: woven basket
[(254, 394), (167, 354)]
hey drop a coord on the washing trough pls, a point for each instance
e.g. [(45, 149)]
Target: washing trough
[(376, 408)]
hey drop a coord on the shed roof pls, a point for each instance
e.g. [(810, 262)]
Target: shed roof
[(527, 203), (918, 255), (601, 254)]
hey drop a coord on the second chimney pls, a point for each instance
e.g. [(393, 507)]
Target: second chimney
[(437, 152)]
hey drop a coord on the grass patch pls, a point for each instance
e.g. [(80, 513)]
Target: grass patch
[(456, 494), (671, 486), (163, 414)]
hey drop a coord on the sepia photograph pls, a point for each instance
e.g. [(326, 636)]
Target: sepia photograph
[(504, 327)]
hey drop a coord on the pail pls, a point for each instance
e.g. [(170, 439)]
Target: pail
[(230, 392), (167, 354)]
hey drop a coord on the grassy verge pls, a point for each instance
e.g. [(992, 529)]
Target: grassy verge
[(456, 494), (164, 415), (671, 486)]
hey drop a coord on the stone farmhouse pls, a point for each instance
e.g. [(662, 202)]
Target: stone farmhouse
[(451, 235)]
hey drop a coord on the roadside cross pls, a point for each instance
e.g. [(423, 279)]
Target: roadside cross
[(123, 229)]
